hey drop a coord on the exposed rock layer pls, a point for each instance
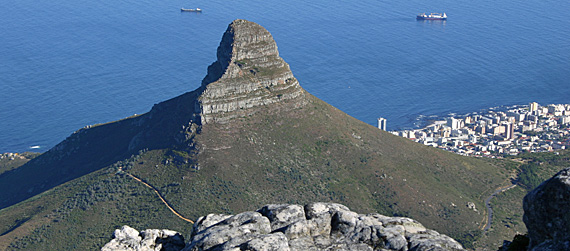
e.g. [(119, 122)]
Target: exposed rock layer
[(546, 213), (317, 226), (247, 74)]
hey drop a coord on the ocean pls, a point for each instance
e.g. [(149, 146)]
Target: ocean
[(68, 64)]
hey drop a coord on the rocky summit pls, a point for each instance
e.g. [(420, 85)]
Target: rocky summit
[(248, 73), (546, 213), (316, 226)]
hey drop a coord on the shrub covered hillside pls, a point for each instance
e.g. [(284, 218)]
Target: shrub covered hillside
[(249, 136)]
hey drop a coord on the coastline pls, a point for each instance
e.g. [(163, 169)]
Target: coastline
[(496, 132)]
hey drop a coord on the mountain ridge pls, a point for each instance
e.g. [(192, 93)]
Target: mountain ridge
[(248, 136), (227, 91)]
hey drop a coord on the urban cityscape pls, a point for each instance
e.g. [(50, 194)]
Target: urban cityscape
[(496, 132)]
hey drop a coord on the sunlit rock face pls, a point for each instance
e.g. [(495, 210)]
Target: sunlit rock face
[(315, 226), (248, 73)]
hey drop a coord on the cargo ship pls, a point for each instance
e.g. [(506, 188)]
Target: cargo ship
[(432, 16)]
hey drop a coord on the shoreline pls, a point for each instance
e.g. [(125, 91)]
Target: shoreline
[(496, 131), (420, 122)]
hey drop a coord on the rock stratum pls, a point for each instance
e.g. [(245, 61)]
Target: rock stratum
[(547, 213), (247, 74), (316, 226)]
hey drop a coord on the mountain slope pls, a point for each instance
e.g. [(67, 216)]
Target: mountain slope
[(249, 136)]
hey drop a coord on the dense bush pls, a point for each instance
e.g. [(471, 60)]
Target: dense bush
[(528, 176)]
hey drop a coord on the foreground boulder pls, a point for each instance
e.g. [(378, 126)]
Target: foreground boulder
[(547, 213), (128, 238), (317, 226)]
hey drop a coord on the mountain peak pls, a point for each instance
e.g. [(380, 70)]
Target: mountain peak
[(249, 135), (248, 73)]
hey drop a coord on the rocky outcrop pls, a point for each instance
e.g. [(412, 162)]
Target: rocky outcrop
[(546, 213), (316, 226), (248, 73), (129, 239)]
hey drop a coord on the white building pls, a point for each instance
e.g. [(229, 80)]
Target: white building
[(565, 120), (382, 124), (454, 123), (533, 107)]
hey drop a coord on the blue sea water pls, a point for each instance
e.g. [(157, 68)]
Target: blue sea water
[(68, 64)]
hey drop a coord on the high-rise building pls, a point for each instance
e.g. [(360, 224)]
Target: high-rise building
[(509, 131), (533, 107), (382, 124), (454, 123)]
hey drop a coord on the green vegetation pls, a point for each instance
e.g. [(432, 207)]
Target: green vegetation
[(538, 167), (82, 214), (468, 238), (8, 162), (300, 155), (297, 150), (528, 176), (532, 169)]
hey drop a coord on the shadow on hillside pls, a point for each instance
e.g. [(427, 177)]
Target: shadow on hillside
[(92, 148)]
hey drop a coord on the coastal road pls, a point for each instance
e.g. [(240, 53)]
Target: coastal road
[(488, 205)]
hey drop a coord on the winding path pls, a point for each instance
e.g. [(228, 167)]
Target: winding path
[(487, 201), (160, 196), (488, 205)]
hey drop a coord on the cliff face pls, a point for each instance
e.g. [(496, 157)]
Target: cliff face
[(248, 73)]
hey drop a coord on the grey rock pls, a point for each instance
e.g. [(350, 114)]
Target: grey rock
[(300, 229), (322, 226), (164, 240), (550, 245), (344, 222), (209, 220), (546, 213), (129, 239), (318, 209), (320, 216), (248, 73), (268, 242), (431, 240), (314, 227), (282, 215), (307, 243), (230, 232), (393, 238)]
